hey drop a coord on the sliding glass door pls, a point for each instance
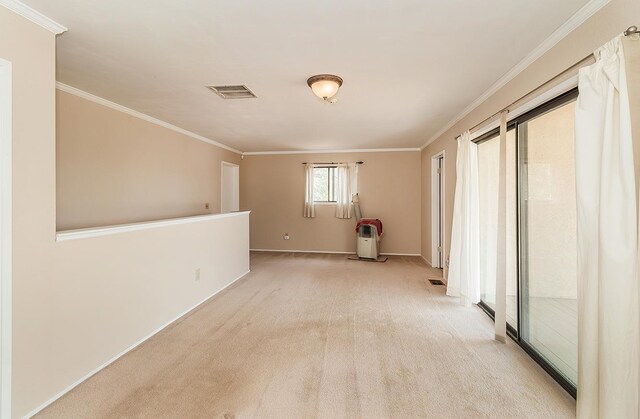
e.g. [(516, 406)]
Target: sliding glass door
[(548, 236), (540, 225)]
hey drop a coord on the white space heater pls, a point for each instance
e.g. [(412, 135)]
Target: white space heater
[(368, 235), (368, 241)]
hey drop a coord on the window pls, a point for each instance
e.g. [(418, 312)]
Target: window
[(324, 184)]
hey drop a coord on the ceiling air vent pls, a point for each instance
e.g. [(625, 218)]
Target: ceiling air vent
[(233, 92)]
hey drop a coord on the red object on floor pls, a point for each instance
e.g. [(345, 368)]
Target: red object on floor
[(370, 221)]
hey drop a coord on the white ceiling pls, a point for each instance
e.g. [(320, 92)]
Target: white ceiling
[(409, 66)]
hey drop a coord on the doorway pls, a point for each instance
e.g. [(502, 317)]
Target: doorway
[(230, 188), (5, 237), (437, 210)]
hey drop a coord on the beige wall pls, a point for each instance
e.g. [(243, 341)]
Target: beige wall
[(600, 28), (272, 187), (114, 168), (77, 304)]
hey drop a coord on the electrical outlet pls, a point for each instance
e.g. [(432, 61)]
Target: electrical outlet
[(286, 236), (198, 274)]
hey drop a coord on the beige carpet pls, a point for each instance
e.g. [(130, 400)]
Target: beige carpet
[(319, 336)]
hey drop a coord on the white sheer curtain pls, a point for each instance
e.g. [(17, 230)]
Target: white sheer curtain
[(346, 187), (464, 269), (608, 294), (500, 248), (309, 207)]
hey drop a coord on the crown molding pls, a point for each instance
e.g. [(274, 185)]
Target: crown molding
[(353, 150), (558, 35), (104, 102), (33, 15)]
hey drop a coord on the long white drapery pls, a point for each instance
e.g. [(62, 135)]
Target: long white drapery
[(608, 294), (346, 187), (309, 207), (464, 268), (500, 248)]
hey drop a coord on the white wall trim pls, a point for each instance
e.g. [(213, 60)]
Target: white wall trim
[(86, 233), (354, 150), (327, 252), (130, 348), (104, 102), (6, 162), (401, 254), (33, 15), (558, 35)]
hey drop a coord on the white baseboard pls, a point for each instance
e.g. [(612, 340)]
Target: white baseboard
[(130, 348), (427, 260), (327, 252)]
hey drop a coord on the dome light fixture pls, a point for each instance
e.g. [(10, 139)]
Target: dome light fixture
[(325, 86)]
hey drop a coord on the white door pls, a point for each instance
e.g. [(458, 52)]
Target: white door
[(230, 189), (437, 210)]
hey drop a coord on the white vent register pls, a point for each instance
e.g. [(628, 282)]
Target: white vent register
[(233, 92)]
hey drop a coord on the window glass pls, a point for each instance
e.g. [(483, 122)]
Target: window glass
[(324, 184), (548, 238)]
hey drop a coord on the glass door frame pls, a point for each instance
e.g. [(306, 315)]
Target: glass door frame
[(521, 231)]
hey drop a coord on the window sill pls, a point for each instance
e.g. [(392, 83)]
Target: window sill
[(325, 203)]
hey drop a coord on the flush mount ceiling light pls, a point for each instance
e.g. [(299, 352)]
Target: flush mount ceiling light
[(325, 86)]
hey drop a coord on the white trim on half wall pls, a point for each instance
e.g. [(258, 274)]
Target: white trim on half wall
[(86, 233)]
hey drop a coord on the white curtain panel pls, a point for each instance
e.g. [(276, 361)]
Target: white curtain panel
[(500, 249), (346, 174), (608, 294), (354, 169), (309, 207), (464, 269)]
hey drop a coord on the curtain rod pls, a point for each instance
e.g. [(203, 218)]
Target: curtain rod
[(333, 162), (632, 30)]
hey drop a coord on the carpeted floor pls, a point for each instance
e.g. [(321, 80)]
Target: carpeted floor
[(319, 336)]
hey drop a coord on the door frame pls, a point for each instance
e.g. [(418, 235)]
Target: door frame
[(226, 163), (5, 236), (437, 208)]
